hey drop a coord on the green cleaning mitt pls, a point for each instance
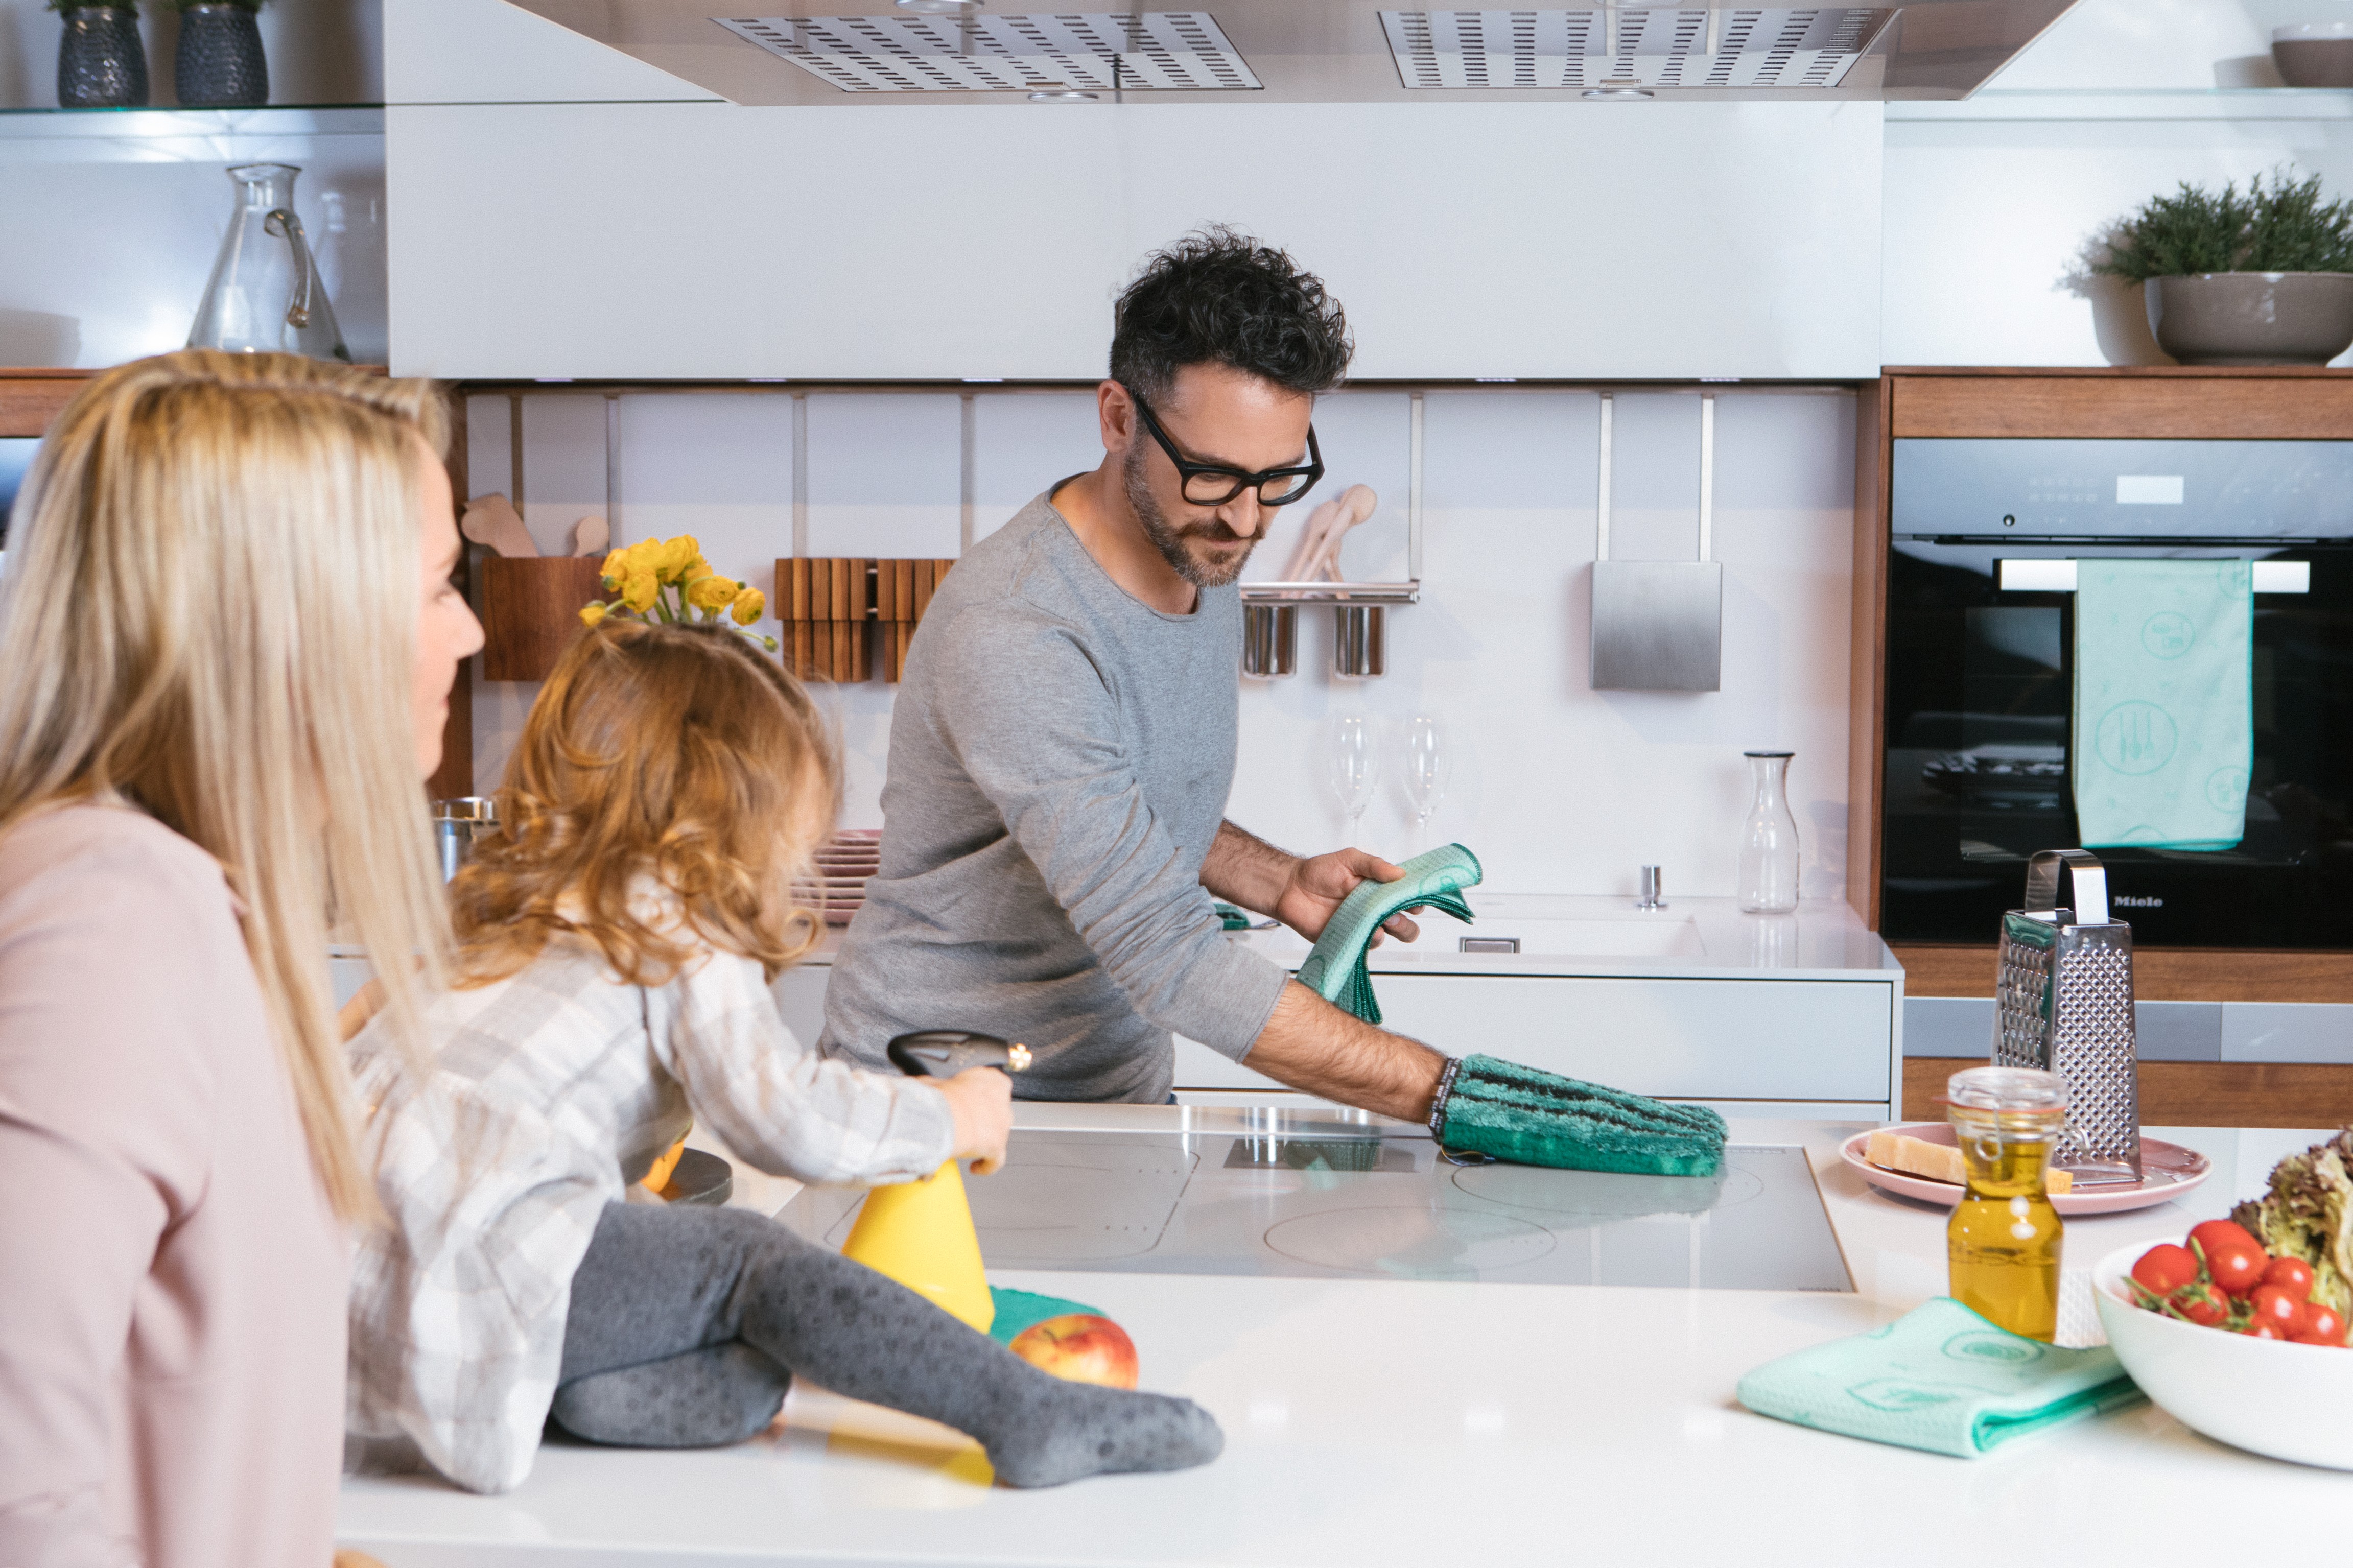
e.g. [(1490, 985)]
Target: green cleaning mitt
[(1335, 970), (1510, 1112)]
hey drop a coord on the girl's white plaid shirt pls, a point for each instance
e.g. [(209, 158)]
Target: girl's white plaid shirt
[(551, 1093)]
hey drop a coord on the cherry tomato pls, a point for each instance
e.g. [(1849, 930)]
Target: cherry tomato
[(2212, 1232), (2259, 1330), (2166, 1268), (2233, 1259), (2316, 1340), (2293, 1274), (2322, 1325), (2202, 1305), (2279, 1308)]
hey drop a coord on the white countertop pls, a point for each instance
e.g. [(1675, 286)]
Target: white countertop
[(1693, 938), (1440, 1424)]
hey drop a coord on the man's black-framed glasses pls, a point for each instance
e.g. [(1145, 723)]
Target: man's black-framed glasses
[(1207, 484)]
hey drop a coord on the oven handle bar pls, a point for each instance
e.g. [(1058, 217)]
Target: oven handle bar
[(2058, 576)]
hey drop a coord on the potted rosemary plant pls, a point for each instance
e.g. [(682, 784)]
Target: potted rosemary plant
[(219, 64), (2260, 277), (101, 62)]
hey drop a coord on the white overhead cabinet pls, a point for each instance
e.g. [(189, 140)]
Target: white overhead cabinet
[(646, 234)]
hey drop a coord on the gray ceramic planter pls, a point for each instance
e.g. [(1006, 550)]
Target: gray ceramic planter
[(2253, 318)]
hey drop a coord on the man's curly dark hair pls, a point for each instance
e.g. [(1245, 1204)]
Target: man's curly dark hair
[(1218, 297)]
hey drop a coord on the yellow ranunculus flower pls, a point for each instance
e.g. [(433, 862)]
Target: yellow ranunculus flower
[(714, 593), (750, 605), (615, 567), (640, 593), (591, 613), (678, 557)]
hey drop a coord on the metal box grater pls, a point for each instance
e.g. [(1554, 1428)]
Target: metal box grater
[(2064, 1002)]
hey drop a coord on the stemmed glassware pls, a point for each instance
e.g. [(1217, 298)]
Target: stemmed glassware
[(1356, 767), (1425, 774)]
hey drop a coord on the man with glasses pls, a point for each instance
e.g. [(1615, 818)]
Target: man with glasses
[(1063, 743)]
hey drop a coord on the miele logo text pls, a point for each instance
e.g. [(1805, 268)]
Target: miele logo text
[(2133, 901)]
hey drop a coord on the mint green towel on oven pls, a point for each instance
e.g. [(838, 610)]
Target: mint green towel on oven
[(2164, 727), (1941, 1378)]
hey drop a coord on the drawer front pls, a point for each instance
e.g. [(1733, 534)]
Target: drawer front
[(1693, 1039)]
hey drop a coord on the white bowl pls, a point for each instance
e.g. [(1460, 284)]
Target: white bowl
[(2267, 1396)]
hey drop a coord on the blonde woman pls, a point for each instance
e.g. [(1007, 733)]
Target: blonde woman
[(228, 635)]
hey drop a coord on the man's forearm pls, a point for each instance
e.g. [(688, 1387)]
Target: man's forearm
[(1243, 868), (1309, 1044)]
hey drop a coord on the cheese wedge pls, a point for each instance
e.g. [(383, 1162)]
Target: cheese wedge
[(1938, 1161)]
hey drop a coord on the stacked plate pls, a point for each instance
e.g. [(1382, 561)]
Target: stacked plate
[(843, 867)]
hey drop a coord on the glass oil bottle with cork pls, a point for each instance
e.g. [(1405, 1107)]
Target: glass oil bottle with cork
[(2003, 1242)]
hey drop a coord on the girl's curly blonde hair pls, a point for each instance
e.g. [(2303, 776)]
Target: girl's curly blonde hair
[(674, 753)]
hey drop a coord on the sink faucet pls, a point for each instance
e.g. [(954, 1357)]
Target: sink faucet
[(1650, 890)]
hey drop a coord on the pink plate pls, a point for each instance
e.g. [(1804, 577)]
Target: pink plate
[(2168, 1171)]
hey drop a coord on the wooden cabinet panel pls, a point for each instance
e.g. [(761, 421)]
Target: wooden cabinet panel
[(29, 399), (2185, 1094), (2267, 405), (2159, 974)]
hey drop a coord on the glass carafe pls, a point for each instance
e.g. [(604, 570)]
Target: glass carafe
[(1768, 840), (2002, 1243), (265, 296)]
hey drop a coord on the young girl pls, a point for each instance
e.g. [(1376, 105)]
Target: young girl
[(615, 938)]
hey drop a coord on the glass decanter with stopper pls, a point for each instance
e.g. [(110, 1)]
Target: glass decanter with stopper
[(1768, 840), (2003, 1242), (265, 296)]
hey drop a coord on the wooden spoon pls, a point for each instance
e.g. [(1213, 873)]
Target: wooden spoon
[(590, 535), (493, 522)]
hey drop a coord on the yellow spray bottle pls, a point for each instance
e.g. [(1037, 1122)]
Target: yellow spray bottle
[(921, 1233)]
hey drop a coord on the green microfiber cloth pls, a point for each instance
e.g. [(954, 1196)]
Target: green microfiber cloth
[(1019, 1310), (1940, 1378), (1335, 969), (1231, 917), (1512, 1112)]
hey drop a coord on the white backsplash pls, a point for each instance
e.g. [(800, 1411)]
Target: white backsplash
[(1558, 788)]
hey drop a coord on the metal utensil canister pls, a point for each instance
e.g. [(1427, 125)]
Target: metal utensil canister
[(2064, 1002), (456, 823)]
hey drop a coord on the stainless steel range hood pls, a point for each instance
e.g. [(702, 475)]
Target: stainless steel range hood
[(1304, 51)]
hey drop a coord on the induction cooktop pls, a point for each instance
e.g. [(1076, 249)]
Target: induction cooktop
[(1332, 1202)]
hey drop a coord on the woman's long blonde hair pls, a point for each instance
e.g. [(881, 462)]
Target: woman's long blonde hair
[(669, 752), (208, 612)]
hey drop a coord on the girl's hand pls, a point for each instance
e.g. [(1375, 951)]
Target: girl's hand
[(981, 1101)]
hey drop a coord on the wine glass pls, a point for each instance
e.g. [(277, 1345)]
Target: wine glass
[(1356, 768), (1425, 773)]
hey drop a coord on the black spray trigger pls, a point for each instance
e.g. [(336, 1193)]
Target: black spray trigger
[(944, 1053)]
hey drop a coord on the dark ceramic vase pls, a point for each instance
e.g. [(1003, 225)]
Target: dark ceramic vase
[(220, 64), (101, 62)]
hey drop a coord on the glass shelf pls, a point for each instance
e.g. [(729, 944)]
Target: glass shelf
[(166, 124), (2135, 103)]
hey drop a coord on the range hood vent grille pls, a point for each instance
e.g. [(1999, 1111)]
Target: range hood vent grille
[(1125, 52), (1652, 46)]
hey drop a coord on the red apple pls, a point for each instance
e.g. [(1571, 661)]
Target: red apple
[(1080, 1347)]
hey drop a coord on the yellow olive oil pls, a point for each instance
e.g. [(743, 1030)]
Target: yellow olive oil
[(2004, 1238)]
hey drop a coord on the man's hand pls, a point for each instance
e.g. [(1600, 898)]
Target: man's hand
[(1318, 884)]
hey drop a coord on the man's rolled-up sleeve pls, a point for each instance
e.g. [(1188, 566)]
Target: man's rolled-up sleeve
[(1036, 728)]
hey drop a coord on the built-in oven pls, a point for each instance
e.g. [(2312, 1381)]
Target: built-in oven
[(1981, 732)]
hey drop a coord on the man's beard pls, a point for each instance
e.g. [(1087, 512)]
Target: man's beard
[(1169, 538)]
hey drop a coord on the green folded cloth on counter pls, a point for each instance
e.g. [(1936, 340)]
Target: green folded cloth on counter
[(2164, 724), (1020, 1310), (1529, 1117), (1939, 1378), (1231, 917), (1335, 969)]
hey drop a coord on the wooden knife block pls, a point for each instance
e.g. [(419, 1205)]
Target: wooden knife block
[(839, 613), (531, 610)]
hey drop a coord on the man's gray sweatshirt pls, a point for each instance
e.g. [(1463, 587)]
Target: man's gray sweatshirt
[(1061, 756)]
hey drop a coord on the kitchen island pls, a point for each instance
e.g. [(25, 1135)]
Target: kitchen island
[(1430, 1420)]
